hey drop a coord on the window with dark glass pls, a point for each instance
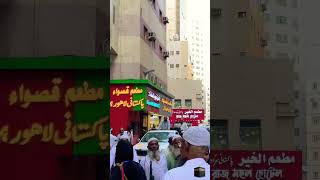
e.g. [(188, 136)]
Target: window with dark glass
[(250, 134), (177, 103), (219, 134), (188, 103)]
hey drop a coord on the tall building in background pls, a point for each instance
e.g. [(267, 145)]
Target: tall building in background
[(252, 95), (54, 28), (195, 28)]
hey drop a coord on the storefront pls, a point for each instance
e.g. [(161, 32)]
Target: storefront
[(54, 117), (256, 165), (137, 105)]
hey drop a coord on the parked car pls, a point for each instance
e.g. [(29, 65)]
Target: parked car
[(161, 135)]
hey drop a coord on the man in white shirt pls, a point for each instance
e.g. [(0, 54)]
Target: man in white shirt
[(154, 163), (113, 144), (194, 148)]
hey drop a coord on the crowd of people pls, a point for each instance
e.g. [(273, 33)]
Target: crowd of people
[(185, 158)]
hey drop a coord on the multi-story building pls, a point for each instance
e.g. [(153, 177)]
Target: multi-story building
[(139, 60), (52, 28), (195, 28), (178, 65), (253, 103), (141, 41)]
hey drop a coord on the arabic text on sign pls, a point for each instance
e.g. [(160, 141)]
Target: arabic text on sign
[(127, 91), (26, 97), (167, 109), (127, 104), (48, 133), (154, 96), (167, 102)]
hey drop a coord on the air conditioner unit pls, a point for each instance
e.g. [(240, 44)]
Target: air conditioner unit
[(263, 42), (152, 36), (216, 12), (263, 7), (165, 20), (166, 54)]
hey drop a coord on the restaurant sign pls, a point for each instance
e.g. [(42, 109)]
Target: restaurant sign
[(127, 97), (256, 165), (187, 115)]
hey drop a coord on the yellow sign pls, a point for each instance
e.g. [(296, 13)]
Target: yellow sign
[(127, 104), (72, 132), (126, 91), (166, 101), (26, 97)]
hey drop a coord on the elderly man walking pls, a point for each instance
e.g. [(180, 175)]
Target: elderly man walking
[(155, 163), (194, 149)]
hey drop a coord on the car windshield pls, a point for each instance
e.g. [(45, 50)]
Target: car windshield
[(161, 136)]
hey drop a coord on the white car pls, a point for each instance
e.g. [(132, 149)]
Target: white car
[(161, 135)]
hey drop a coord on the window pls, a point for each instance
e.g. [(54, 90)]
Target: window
[(315, 86), (315, 138), (250, 134), (266, 17), (219, 132), (242, 14), (315, 156), (314, 105), (177, 65), (145, 32), (154, 3), (296, 131), (282, 38), (315, 120), (315, 175), (160, 14), (188, 103), (282, 3), (171, 53), (177, 103), (281, 20), (171, 65), (177, 52), (114, 14)]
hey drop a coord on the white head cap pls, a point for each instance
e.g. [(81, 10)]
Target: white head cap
[(153, 139), (176, 136), (197, 136)]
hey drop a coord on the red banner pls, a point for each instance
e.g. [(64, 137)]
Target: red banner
[(187, 115), (256, 165)]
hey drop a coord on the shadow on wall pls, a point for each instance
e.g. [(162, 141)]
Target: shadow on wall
[(5, 11)]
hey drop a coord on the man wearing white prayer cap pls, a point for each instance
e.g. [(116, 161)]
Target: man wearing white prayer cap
[(113, 144), (154, 163), (194, 149)]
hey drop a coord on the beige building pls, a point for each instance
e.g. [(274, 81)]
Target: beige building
[(177, 64), (173, 13), (237, 28), (253, 104), (54, 27), (139, 43), (187, 93)]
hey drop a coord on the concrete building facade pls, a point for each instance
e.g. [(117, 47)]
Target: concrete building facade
[(141, 41), (253, 104), (52, 28)]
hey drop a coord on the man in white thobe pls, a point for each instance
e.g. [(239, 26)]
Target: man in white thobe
[(194, 149), (155, 163), (113, 144)]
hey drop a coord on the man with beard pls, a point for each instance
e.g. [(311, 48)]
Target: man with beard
[(155, 163), (194, 149), (173, 151), (164, 124), (121, 133)]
